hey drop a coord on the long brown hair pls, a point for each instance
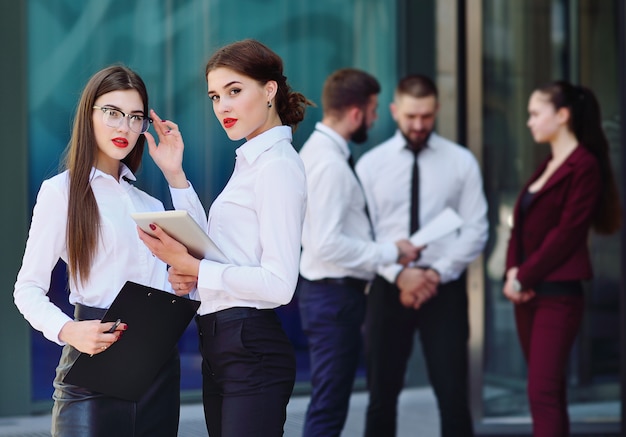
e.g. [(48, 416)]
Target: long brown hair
[(83, 217), (585, 122), (255, 60)]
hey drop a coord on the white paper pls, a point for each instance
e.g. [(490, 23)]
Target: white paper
[(445, 222)]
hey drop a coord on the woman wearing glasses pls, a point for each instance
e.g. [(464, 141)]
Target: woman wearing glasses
[(248, 362), (82, 216)]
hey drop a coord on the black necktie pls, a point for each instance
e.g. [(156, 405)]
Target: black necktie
[(367, 211), (351, 164), (415, 190)]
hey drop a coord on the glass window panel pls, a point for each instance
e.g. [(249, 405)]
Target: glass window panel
[(525, 45)]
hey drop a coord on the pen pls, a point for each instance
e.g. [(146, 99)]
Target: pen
[(114, 327), (112, 330)]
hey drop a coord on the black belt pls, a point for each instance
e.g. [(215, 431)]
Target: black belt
[(345, 281), (235, 313), (83, 312)]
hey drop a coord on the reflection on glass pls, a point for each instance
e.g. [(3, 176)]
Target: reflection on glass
[(525, 45)]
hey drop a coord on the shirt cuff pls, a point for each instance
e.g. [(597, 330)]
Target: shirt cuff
[(390, 272), (53, 328), (183, 196), (210, 275), (389, 253), (444, 268), (194, 294)]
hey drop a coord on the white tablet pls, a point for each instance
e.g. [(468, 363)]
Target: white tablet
[(183, 228)]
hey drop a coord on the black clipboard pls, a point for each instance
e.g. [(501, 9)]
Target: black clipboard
[(156, 320)]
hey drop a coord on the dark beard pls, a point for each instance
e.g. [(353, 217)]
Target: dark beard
[(359, 136), (415, 145)]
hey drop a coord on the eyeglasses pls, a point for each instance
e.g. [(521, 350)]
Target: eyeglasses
[(114, 118)]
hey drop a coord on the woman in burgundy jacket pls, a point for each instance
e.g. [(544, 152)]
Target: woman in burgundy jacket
[(572, 191)]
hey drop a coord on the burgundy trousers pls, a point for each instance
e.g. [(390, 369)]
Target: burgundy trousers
[(547, 327)]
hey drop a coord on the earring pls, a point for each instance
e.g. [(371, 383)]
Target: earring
[(269, 104)]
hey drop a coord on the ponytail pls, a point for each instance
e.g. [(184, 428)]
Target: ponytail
[(585, 122)]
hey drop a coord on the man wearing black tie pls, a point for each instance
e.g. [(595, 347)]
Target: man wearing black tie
[(408, 180), (339, 255)]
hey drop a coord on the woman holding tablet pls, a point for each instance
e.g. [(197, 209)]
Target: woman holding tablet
[(82, 216), (248, 362)]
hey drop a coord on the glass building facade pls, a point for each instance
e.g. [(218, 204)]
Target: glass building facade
[(527, 44), (487, 56)]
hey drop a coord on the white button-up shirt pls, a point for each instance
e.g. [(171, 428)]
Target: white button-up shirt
[(256, 221), (120, 255), (449, 177), (336, 239)]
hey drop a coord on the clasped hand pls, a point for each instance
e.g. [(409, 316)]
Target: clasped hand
[(183, 273), (509, 292), (417, 286)]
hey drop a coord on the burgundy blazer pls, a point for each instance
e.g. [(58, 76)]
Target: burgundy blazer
[(551, 243)]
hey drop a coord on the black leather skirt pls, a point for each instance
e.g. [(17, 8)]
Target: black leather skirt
[(78, 412)]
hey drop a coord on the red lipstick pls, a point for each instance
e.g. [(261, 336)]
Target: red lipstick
[(229, 122), (120, 142)]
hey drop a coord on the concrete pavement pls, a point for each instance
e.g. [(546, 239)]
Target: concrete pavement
[(417, 416)]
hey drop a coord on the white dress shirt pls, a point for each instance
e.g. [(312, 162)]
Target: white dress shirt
[(257, 222), (337, 239), (449, 177), (120, 255)]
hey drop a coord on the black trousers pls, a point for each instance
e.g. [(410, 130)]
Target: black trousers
[(248, 372), (444, 332)]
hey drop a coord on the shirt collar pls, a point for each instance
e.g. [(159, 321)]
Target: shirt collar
[(337, 139), (125, 173), (251, 150)]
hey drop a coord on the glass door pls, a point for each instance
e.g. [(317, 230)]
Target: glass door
[(524, 45)]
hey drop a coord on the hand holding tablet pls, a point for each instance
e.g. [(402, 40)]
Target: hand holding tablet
[(183, 228)]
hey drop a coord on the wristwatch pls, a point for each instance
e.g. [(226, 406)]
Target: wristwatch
[(517, 286)]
